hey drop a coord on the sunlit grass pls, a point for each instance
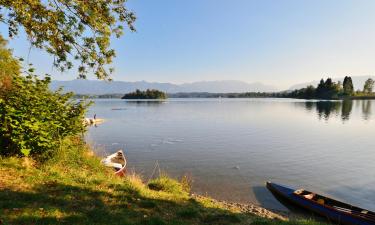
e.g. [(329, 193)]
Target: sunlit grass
[(74, 188)]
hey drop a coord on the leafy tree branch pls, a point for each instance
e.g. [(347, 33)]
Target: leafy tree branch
[(71, 30)]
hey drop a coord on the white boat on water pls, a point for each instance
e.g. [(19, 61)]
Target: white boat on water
[(92, 121)]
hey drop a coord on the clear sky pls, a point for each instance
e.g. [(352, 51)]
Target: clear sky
[(277, 42)]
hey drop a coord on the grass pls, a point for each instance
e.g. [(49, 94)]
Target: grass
[(164, 183), (73, 188)]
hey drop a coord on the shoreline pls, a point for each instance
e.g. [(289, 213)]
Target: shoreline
[(249, 208), (207, 95), (74, 188)]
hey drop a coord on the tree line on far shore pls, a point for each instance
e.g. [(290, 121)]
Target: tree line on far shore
[(327, 89), (148, 94)]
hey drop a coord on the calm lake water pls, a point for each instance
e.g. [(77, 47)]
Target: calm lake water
[(232, 146)]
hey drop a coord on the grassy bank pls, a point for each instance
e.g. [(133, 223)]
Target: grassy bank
[(73, 188)]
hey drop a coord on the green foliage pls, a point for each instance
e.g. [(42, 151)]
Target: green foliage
[(369, 86), (308, 93), (71, 30), (348, 86), (34, 119), (148, 94), (9, 67), (327, 89), (166, 184), (331, 90), (186, 182), (74, 188)]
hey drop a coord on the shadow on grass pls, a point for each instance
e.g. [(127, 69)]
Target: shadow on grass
[(57, 203)]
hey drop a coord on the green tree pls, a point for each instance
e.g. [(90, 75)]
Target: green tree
[(348, 87), (310, 92), (34, 119), (321, 88), (327, 89), (321, 84), (71, 29), (328, 84), (338, 87), (9, 67), (369, 86), (148, 94)]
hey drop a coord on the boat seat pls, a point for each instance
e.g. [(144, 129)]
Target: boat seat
[(299, 191), (320, 201)]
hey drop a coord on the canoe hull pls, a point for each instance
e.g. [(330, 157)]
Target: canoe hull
[(329, 213), (117, 161)]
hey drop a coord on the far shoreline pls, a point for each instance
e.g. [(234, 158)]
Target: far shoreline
[(199, 95)]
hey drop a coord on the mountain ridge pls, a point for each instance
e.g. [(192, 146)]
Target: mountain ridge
[(114, 87)]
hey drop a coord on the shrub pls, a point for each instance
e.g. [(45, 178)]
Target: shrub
[(34, 119), (186, 182), (166, 184)]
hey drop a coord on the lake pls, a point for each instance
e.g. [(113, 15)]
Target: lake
[(231, 147)]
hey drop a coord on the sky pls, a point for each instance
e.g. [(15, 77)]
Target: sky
[(276, 42)]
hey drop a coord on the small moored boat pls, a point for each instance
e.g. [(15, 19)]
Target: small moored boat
[(333, 210), (117, 161), (92, 121)]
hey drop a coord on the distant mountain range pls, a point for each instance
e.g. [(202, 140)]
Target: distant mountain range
[(101, 87), (358, 82), (96, 87)]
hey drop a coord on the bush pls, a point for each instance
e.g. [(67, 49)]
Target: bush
[(34, 119), (166, 184)]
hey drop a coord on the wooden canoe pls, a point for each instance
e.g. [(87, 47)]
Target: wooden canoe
[(329, 208)]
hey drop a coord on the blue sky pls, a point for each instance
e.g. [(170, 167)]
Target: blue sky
[(278, 42)]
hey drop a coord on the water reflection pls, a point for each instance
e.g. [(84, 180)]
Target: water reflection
[(325, 109), (145, 102), (366, 109), (342, 109), (269, 139)]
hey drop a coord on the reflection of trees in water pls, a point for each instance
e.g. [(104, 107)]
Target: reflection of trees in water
[(366, 109), (146, 102), (326, 109), (309, 105), (346, 109)]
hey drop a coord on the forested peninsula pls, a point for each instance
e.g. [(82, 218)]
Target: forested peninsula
[(327, 89)]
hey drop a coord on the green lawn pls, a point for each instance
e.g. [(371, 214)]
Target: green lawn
[(73, 188)]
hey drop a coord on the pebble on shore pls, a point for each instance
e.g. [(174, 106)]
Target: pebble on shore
[(250, 208)]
